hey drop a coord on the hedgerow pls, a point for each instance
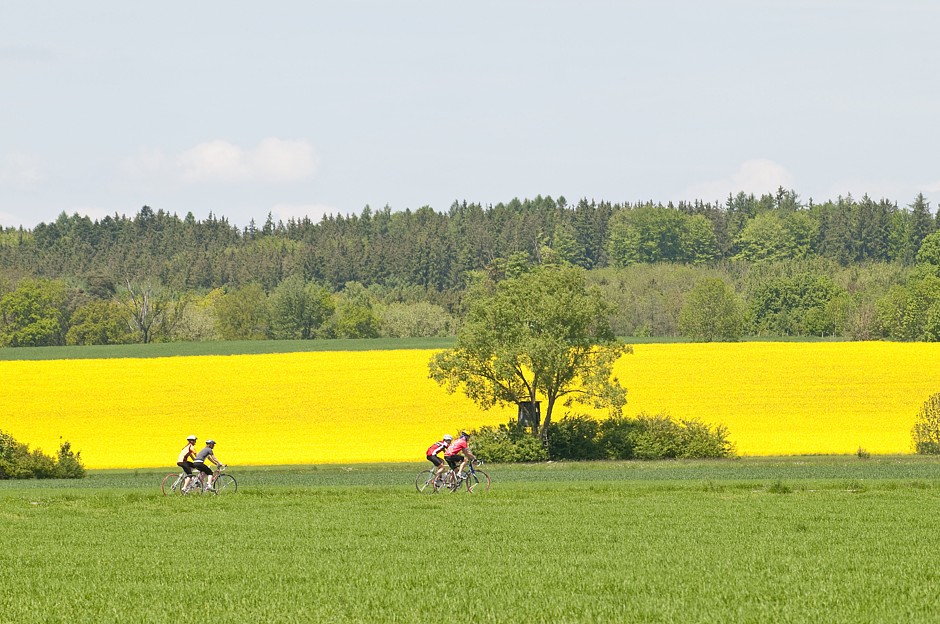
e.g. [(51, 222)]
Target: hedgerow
[(18, 462)]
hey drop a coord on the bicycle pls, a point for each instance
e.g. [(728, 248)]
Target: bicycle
[(476, 481), (221, 483), (428, 482)]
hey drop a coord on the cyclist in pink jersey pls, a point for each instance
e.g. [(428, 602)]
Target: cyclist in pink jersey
[(437, 448), (458, 453)]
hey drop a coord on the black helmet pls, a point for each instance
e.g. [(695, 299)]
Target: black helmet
[(210, 442)]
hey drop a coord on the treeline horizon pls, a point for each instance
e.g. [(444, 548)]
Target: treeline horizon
[(843, 268)]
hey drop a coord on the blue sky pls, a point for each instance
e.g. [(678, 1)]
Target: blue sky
[(305, 107)]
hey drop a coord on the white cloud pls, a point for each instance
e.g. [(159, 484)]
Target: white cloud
[(272, 160), (285, 212), (20, 171), (931, 188), (757, 176)]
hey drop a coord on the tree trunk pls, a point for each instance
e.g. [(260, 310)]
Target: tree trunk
[(546, 422)]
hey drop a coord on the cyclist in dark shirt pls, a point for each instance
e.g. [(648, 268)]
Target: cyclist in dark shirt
[(200, 461)]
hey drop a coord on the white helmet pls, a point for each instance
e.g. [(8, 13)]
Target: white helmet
[(448, 437), (191, 438)]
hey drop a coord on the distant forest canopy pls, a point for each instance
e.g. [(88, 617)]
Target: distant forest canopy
[(852, 268)]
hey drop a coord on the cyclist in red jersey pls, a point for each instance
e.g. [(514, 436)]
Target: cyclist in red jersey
[(436, 448), (459, 453)]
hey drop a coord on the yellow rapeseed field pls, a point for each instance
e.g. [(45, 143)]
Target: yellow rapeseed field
[(320, 407)]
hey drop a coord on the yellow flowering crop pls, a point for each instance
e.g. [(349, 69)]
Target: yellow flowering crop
[(320, 407), (262, 409), (789, 398)]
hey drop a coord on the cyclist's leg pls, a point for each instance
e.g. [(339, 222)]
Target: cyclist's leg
[(188, 470), (203, 472), (438, 465)]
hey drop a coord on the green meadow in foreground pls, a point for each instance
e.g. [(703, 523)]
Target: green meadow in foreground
[(750, 540)]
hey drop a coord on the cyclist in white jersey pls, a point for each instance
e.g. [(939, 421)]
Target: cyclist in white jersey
[(185, 459)]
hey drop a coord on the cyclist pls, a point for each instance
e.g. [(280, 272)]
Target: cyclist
[(185, 459), (436, 448), (459, 453), (200, 461)]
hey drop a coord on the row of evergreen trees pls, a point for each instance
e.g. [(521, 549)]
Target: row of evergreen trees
[(435, 250), (767, 266)]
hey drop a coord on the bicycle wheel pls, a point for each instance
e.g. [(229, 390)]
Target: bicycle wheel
[(171, 484), (225, 484), (424, 482), (478, 482), (451, 482)]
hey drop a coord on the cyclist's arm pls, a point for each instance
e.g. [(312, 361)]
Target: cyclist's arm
[(468, 454)]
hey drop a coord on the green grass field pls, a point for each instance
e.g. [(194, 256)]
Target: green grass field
[(804, 539)]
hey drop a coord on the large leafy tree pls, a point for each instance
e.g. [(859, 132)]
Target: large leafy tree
[(34, 314), (713, 312), (299, 309), (540, 335)]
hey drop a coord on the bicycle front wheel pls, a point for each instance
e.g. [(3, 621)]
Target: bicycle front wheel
[(225, 484), (424, 482), (478, 482), (172, 484)]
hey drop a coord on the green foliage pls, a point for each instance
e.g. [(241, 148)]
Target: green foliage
[(649, 233), (650, 255), (242, 313), (541, 334), (925, 435), (793, 305), (69, 463), (661, 437), (772, 236), (100, 322), (575, 437), (912, 312), (416, 320), (356, 315), (299, 309), (34, 314), (712, 312), (929, 252), (508, 443), (18, 462), (645, 437)]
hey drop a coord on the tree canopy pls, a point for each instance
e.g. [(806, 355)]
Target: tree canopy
[(540, 334)]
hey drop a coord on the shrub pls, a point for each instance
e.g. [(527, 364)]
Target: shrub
[(926, 432), (69, 464), (616, 435), (656, 437), (508, 443), (575, 437), (643, 437), (18, 462), (699, 440)]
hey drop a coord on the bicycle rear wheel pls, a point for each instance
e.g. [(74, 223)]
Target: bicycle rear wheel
[(424, 482), (170, 485), (478, 482), (225, 484)]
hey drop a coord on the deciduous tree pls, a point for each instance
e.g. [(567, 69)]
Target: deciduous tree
[(542, 335)]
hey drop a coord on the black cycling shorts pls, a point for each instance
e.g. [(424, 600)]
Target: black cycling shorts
[(434, 459), (187, 466), (201, 467), (454, 461)]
